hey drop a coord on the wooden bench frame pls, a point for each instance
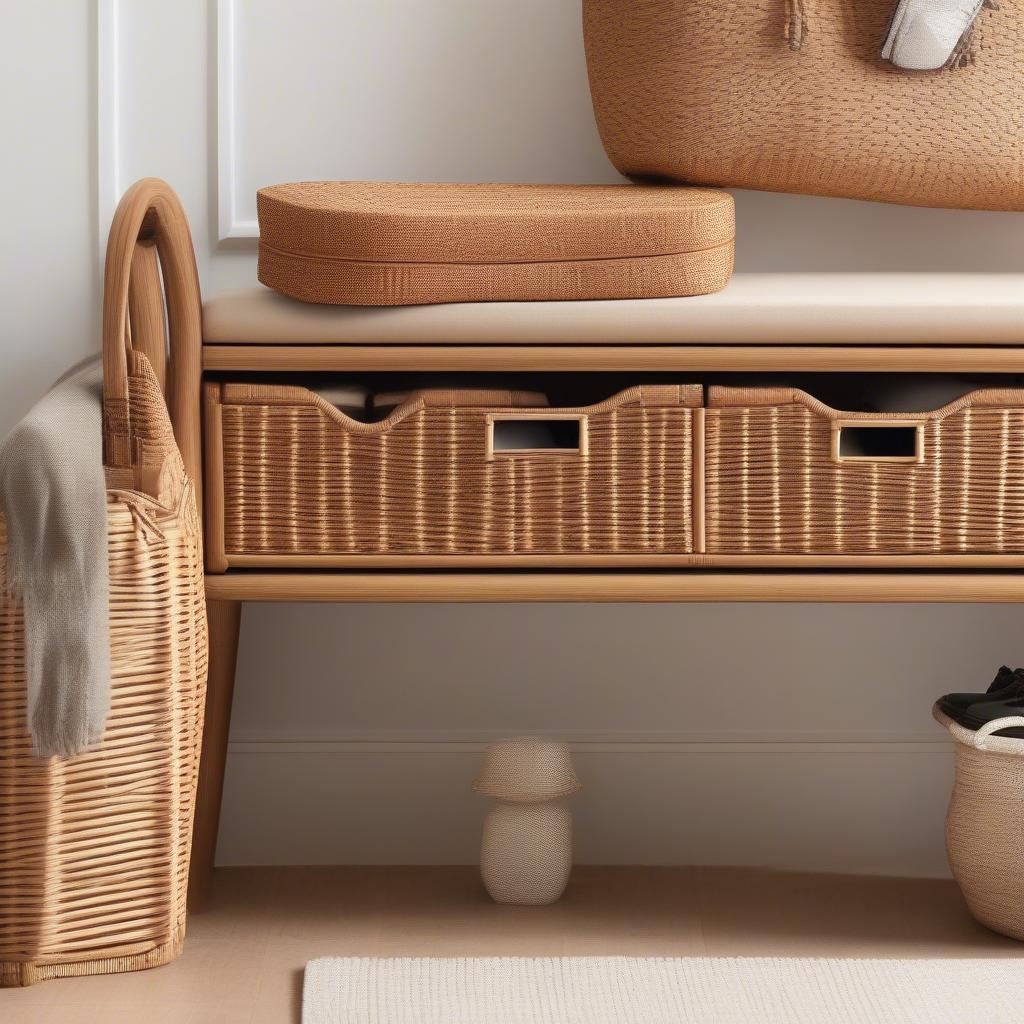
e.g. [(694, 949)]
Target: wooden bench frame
[(860, 579)]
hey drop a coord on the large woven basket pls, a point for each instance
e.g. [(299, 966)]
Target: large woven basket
[(985, 823), (778, 483), (94, 849), (793, 96), (301, 480)]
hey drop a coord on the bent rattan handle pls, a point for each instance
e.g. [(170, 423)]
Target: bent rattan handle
[(150, 222), (988, 728)]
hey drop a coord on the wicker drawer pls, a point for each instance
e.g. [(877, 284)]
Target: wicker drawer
[(449, 474), (786, 474)]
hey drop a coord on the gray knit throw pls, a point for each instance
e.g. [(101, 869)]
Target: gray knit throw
[(55, 506)]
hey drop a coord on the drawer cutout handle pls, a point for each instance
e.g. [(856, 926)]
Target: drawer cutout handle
[(536, 435), (860, 441)]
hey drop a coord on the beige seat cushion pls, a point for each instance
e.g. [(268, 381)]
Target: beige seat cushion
[(756, 309)]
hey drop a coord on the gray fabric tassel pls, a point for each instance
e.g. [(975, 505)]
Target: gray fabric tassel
[(54, 497), (926, 35), (796, 24)]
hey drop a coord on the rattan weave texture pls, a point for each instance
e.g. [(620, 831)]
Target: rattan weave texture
[(302, 478), (774, 485), (392, 243), (95, 849)]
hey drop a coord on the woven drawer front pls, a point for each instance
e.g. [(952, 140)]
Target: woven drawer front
[(300, 478), (778, 483)]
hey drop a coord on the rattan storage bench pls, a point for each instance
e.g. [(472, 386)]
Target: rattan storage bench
[(300, 504)]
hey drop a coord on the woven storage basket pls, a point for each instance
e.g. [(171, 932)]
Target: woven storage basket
[(301, 479), (777, 481), (94, 849), (714, 94), (985, 823), (380, 243)]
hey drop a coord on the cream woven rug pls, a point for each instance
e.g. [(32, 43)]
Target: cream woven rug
[(623, 990)]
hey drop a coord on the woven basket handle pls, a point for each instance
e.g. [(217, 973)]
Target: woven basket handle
[(988, 728), (150, 223)]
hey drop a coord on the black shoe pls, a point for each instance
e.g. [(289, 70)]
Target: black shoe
[(985, 711), (1007, 683)]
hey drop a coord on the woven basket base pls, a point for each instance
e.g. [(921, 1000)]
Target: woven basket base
[(17, 974)]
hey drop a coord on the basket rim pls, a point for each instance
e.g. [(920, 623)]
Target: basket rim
[(686, 396), (967, 737), (723, 397)]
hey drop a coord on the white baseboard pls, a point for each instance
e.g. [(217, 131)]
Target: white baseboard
[(869, 806)]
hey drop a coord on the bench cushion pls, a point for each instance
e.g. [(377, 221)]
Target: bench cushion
[(390, 244)]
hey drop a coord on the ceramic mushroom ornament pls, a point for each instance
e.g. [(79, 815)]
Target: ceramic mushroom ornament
[(526, 853)]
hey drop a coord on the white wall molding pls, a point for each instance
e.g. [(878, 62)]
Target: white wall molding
[(229, 224), (108, 117), (866, 808)]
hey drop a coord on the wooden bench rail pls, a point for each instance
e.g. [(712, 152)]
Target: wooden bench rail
[(693, 585), (621, 358)]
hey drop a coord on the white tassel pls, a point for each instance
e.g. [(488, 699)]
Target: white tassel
[(926, 35)]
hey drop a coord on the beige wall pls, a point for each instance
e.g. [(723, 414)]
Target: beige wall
[(788, 735)]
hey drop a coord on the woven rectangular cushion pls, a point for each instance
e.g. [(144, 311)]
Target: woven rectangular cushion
[(392, 244)]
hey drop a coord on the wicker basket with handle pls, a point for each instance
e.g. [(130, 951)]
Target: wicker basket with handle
[(95, 849), (778, 480), (299, 478), (985, 822)]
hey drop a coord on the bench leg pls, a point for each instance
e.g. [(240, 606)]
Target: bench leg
[(224, 618)]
